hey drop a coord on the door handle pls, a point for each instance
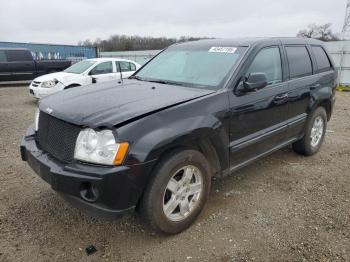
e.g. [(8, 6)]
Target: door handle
[(312, 87), (279, 99)]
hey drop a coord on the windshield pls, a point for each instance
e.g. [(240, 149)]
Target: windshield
[(79, 67), (206, 68)]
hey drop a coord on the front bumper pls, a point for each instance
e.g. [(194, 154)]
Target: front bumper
[(40, 92), (118, 189)]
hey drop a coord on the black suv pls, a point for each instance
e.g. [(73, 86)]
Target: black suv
[(196, 110)]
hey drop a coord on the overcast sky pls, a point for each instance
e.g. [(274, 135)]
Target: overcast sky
[(68, 21)]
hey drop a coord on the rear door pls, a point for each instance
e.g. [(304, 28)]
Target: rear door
[(5, 73), (301, 80), (21, 64), (258, 118)]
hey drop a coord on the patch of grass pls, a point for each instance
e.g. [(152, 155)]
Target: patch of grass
[(343, 88)]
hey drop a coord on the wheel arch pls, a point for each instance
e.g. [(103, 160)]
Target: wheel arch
[(72, 85), (210, 145), (326, 104)]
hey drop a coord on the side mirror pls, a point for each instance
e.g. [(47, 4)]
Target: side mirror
[(254, 82), (93, 80)]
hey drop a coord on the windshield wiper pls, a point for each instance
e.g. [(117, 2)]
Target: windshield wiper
[(165, 82), (169, 82), (137, 78)]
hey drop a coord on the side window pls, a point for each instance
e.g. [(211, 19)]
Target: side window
[(18, 55), (132, 67), (2, 56), (268, 61), (124, 66), (299, 61), (102, 68), (322, 60)]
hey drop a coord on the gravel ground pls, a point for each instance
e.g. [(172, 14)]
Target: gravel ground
[(284, 207)]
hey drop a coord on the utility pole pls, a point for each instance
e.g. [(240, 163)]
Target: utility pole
[(345, 33)]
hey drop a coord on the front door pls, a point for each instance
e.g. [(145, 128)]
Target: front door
[(102, 72), (259, 119)]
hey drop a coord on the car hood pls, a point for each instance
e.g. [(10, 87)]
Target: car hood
[(60, 76), (109, 104)]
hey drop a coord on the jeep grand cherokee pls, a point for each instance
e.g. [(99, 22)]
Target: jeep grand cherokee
[(196, 110)]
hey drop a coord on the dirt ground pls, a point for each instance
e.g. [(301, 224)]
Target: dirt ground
[(282, 208)]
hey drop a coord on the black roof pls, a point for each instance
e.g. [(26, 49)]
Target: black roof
[(248, 41)]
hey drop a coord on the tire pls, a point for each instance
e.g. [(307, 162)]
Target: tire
[(307, 146), (157, 197)]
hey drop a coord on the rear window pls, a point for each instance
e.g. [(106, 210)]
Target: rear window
[(299, 61), (132, 67), (2, 56), (18, 55), (124, 66), (322, 60)]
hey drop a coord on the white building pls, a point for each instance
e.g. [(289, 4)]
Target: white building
[(340, 52)]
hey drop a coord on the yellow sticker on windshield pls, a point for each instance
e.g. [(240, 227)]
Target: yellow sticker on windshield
[(223, 49)]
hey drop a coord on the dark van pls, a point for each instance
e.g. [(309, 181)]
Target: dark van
[(196, 110)]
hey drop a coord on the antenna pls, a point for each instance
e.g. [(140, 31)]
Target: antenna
[(345, 33)]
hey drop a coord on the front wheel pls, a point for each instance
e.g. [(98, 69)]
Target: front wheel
[(314, 133), (177, 192)]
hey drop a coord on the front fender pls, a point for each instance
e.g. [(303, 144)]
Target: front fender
[(78, 80), (187, 132), (183, 125)]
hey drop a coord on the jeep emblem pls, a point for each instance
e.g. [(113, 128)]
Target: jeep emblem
[(49, 110)]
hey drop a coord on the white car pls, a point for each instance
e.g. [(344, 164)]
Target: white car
[(85, 72)]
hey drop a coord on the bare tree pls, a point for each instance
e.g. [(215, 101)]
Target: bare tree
[(321, 32), (129, 43)]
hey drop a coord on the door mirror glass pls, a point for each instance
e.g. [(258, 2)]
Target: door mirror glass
[(254, 82)]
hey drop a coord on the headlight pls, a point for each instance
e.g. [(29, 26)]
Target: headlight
[(49, 84), (36, 119), (99, 147)]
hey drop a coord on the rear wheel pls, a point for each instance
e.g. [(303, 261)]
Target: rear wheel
[(314, 133), (177, 192)]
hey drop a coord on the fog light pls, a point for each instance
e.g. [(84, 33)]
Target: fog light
[(89, 192)]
